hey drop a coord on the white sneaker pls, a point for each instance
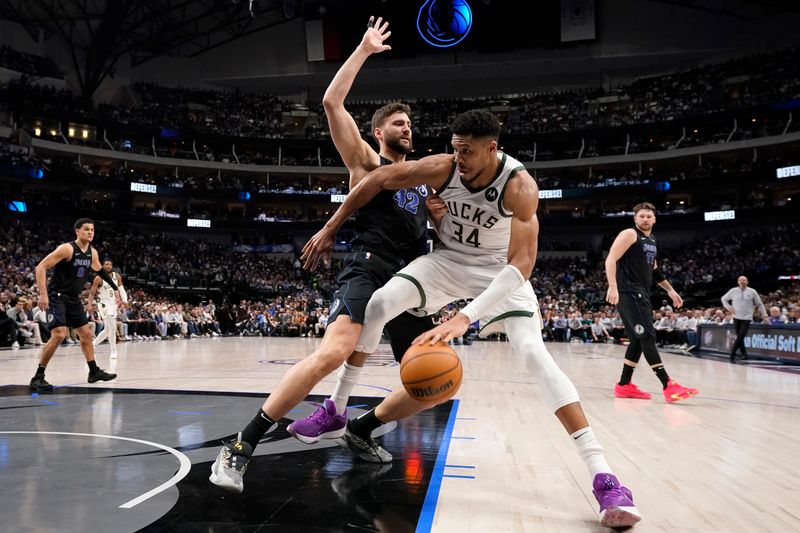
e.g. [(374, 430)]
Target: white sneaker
[(230, 465), (113, 355), (15, 345)]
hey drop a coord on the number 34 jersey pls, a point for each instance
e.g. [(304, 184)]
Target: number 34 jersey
[(476, 223)]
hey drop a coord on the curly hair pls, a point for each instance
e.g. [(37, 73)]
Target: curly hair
[(478, 123)]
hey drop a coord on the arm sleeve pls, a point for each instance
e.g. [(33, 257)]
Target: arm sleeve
[(509, 280), (658, 275), (105, 277)]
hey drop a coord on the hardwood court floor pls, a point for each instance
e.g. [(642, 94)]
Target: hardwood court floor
[(728, 460)]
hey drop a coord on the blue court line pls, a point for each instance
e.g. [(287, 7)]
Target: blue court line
[(462, 477), (465, 438), (429, 506), (359, 406), (458, 466)]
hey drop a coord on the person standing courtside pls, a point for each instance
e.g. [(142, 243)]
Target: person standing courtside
[(741, 301), (72, 263), (630, 268), (108, 305)]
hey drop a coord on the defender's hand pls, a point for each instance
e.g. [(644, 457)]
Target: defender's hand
[(319, 247), (376, 33)]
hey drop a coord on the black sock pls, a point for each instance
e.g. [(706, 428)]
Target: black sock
[(364, 425), (627, 374), (662, 375), (632, 354), (40, 370), (92, 366), (259, 425)]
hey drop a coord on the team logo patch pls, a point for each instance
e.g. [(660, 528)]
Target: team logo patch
[(639, 329), (492, 194), (334, 306)]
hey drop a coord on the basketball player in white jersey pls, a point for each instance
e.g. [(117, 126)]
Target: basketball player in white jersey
[(108, 305), (488, 250)]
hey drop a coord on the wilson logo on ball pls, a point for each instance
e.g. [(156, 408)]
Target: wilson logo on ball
[(420, 392)]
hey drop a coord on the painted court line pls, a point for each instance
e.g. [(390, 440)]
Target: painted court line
[(186, 464), (429, 506)]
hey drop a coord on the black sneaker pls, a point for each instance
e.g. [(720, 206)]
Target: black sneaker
[(38, 384), (100, 375), (366, 448)]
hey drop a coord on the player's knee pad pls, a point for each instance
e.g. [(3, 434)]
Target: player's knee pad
[(527, 342)]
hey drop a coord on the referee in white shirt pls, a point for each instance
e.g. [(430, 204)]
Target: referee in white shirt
[(741, 301)]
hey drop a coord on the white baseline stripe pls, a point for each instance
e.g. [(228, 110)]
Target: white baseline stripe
[(186, 464)]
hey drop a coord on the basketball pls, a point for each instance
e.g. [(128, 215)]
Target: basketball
[(431, 373)]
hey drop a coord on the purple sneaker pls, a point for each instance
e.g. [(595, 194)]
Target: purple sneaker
[(324, 423), (616, 502)]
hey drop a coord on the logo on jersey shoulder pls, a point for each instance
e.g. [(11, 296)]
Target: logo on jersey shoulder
[(492, 194)]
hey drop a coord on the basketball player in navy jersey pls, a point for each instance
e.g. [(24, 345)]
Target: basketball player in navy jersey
[(73, 264), (390, 232), (631, 267)]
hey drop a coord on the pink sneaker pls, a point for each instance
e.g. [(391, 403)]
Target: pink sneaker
[(630, 391), (676, 392)]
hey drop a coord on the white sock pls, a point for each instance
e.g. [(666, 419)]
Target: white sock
[(347, 377), (591, 452)]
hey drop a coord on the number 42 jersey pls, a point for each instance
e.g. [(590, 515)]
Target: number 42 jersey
[(476, 223)]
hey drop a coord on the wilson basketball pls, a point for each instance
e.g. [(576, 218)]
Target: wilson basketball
[(431, 373)]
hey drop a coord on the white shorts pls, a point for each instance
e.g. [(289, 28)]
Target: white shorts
[(107, 310), (441, 277)]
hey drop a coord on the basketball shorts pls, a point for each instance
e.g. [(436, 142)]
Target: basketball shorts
[(636, 312), (66, 311), (441, 277), (363, 274), (107, 309)]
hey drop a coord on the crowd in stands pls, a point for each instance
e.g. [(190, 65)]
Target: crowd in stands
[(743, 83), (279, 298), (28, 64)]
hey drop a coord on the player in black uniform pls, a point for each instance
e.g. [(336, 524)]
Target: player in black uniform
[(73, 264), (630, 268), (389, 233)]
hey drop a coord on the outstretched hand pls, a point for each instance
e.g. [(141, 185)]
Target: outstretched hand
[(376, 33), (319, 247)]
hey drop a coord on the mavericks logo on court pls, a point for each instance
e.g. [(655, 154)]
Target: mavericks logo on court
[(422, 392), (638, 329), (491, 194)]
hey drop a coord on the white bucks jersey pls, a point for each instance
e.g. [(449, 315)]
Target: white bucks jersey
[(476, 222), (105, 293)]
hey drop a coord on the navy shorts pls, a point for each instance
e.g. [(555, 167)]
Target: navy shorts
[(636, 312), (363, 274), (66, 311)]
